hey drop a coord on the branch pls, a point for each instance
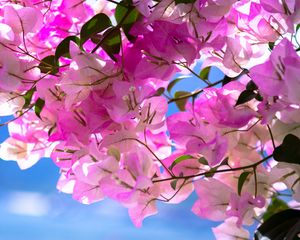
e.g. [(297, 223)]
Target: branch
[(194, 94), (214, 172)]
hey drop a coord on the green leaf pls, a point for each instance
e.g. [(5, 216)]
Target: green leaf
[(126, 17), (227, 79), (97, 38), (251, 86), (95, 25), (38, 107), (174, 82), (203, 161), (174, 183), (159, 91), (243, 177), (282, 225), (259, 98), (245, 96), (180, 159), (271, 45), (224, 162), (51, 130), (204, 74), (297, 27), (28, 96), (63, 49), (277, 205), (121, 11), (181, 102), (112, 42), (208, 36), (211, 172), (184, 1), (289, 150), (112, 151), (49, 65)]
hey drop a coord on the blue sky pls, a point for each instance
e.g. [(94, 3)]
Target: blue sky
[(32, 208)]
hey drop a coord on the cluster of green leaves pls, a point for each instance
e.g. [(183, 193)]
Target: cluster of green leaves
[(126, 15), (94, 26), (100, 30)]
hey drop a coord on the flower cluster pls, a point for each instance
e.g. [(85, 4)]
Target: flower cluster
[(86, 85)]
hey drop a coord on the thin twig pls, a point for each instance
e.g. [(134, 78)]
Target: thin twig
[(271, 135), (214, 172)]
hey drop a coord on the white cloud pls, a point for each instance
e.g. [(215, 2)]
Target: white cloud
[(28, 203), (111, 209)]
